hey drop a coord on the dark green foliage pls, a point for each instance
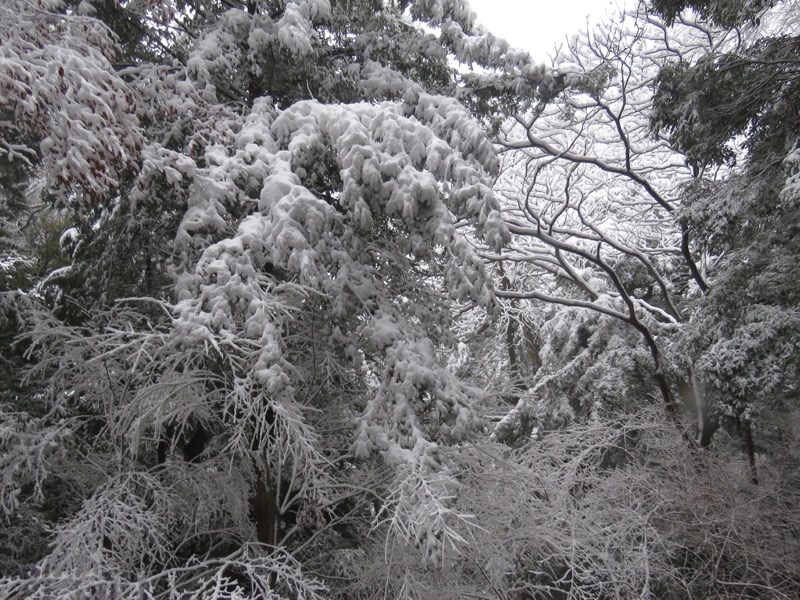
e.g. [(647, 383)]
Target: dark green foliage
[(727, 13), (753, 93)]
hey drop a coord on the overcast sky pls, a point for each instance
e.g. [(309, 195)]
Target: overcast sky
[(536, 25)]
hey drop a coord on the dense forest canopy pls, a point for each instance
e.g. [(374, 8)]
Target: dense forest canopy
[(349, 299)]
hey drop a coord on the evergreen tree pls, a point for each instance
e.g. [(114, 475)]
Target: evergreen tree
[(738, 105), (239, 375)]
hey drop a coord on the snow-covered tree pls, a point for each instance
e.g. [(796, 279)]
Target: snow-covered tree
[(593, 201), (241, 373), (625, 198), (737, 105)]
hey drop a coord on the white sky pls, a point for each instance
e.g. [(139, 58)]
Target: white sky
[(537, 25)]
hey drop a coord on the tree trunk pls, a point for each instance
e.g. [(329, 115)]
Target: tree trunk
[(747, 431), (693, 398), (264, 509), (533, 347)]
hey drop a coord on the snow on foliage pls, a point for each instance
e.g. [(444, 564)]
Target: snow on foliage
[(292, 202), (394, 171), (591, 365), (59, 86), (26, 447), (255, 377)]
